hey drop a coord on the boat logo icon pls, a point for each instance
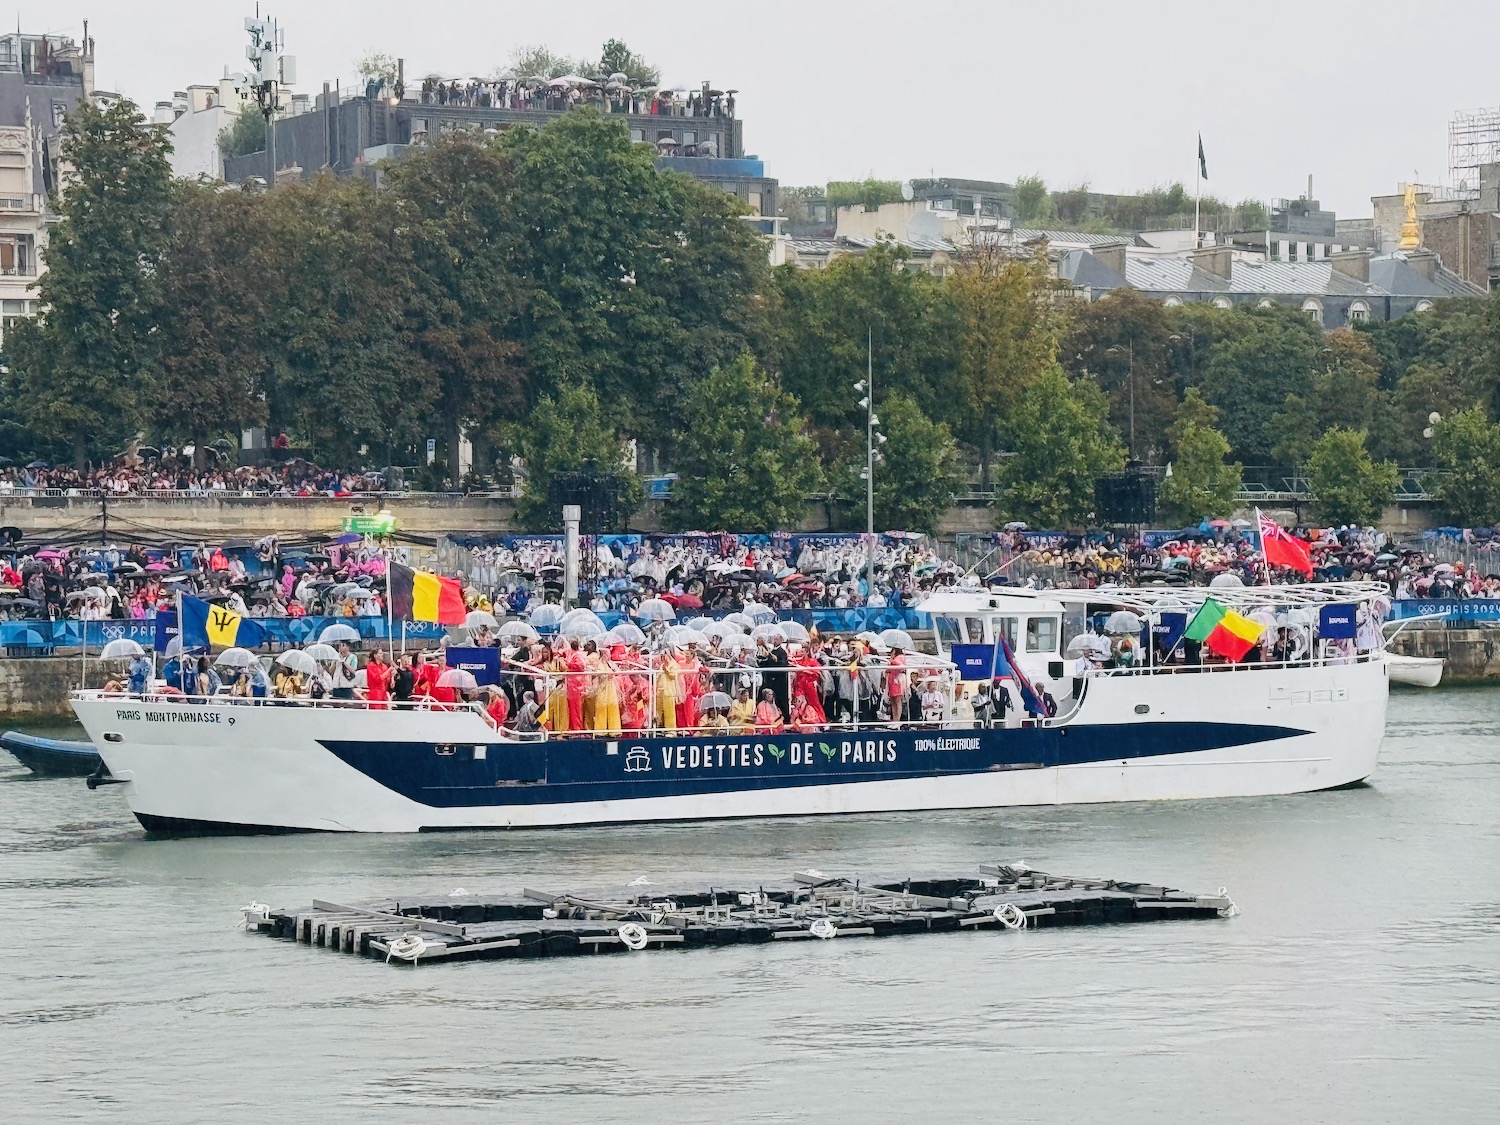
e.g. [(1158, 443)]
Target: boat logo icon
[(637, 760)]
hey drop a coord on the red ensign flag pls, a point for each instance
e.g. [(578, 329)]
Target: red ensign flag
[(1280, 549)]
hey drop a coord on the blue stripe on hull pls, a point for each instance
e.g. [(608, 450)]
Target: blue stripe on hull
[(568, 770)]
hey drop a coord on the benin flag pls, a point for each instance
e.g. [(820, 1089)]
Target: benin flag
[(205, 625), (1223, 631), (420, 596)]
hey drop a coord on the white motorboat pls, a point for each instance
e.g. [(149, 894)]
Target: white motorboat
[(1094, 730), (1415, 671)]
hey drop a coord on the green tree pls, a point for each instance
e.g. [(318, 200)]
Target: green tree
[(1467, 444), (616, 58), (1121, 342), (1032, 200), (1063, 443), (539, 61), (639, 282), (378, 66), (86, 367), (570, 433), (245, 134), (1248, 376), (1202, 484), (1350, 487), (869, 193), (217, 278), (915, 478), (343, 379), (455, 204), (744, 460), (1010, 324), (823, 320)]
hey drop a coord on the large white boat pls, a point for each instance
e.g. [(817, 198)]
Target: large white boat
[(1158, 730)]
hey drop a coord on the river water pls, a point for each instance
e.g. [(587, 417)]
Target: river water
[(1361, 983)]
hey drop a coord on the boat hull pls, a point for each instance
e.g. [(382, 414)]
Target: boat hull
[(52, 757), (1133, 738)]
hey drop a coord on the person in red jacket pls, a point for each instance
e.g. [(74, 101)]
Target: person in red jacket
[(426, 686), (378, 680), (499, 707)]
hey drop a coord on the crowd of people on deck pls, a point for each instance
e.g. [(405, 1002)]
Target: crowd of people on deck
[(610, 93)]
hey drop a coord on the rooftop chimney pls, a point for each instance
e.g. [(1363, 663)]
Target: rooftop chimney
[(1213, 259), (1111, 254), (1352, 263), (1425, 262)]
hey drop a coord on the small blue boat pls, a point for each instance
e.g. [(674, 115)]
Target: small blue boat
[(52, 757)]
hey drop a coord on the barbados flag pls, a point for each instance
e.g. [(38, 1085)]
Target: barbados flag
[(206, 625)]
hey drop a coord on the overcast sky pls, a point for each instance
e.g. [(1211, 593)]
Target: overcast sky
[(1358, 94)]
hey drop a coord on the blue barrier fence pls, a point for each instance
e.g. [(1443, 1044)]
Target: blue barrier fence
[(43, 637), (1451, 610)]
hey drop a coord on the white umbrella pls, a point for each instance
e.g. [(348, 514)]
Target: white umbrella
[(897, 638), (1264, 618), (759, 614), (744, 621), (518, 631), (333, 634), (681, 636), (321, 652), (1081, 645), (1226, 580), (656, 609), (718, 630), (298, 661), (174, 648), (625, 634), (547, 615), (121, 648), (479, 619), (795, 631), (236, 658), (702, 624), (1123, 623), (458, 678), (771, 633), (738, 642), (581, 623), (713, 701)]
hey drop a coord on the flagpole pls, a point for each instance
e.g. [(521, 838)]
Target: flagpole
[(1198, 197), (390, 628), (181, 643), (1260, 530)]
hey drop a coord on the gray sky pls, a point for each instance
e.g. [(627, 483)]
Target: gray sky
[(1113, 93)]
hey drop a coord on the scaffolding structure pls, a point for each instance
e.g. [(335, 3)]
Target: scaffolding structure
[(1473, 140)]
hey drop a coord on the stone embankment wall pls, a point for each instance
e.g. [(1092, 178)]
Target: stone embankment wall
[(1472, 655), (37, 686)]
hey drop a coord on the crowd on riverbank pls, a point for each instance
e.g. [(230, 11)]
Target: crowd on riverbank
[(178, 475)]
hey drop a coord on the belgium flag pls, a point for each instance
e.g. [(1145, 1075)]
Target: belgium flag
[(419, 596)]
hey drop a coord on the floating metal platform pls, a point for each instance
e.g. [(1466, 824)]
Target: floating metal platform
[(645, 917)]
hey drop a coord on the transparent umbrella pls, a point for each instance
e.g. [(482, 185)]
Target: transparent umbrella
[(1226, 580), (682, 636), (333, 634), (458, 679), (702, 624), (518, 631), (625, 634), (1123, 623), (772, 633), (298, 661), (743, 620), (236, 658), (479, 619), (121, 648), (321, 652), (547, 615), (796, 632), (897, 638), (759, 614), (655, 609), (581, 623), (713, 701)]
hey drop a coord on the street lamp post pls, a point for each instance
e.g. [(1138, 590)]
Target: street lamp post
[(866, 386), (1129, 386)]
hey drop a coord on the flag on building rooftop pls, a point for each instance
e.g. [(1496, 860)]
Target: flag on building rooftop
[(420, 596), (1281, 549), (1223, 631), (206, 625)]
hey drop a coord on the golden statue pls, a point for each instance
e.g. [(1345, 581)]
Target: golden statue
[(1411, 232)]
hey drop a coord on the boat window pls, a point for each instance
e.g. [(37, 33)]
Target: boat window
[(949, 631), (1006, 627), (1041, 634), (974, 626)]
